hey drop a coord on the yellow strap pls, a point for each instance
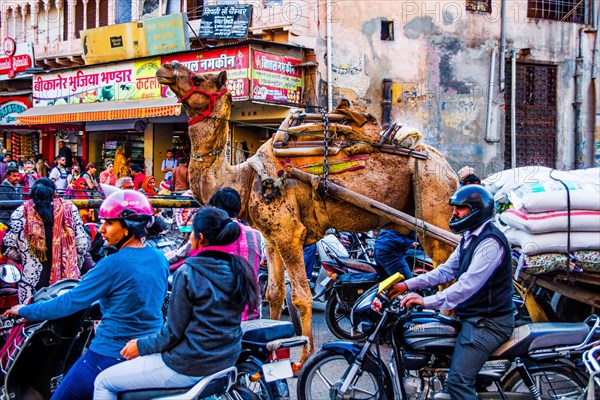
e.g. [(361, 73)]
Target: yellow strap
[(536, 312)]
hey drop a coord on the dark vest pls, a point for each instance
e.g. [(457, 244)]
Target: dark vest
[(494, 299)]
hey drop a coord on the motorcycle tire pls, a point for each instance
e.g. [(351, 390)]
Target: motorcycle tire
[(292, 312), (335, 317), (323, 372), (560, 381), (262, 389)]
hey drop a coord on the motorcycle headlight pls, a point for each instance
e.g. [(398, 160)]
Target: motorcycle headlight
[(362, 307)]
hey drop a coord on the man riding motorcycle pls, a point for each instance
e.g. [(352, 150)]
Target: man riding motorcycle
[(482, 294)]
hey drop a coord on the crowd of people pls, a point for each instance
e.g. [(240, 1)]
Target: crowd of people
[(215, 287), (72, 181)]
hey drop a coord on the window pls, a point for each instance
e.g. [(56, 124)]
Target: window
[(577, 11), (195, 8), (387, 30), (479, 5)]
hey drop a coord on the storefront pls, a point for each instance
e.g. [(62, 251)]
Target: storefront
[(21, 141), (112, 103), (122, 106), (264, 82)]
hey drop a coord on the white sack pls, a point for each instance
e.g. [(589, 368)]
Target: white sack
[(555, 242), (501, 182), (552, 196), (553, 221)]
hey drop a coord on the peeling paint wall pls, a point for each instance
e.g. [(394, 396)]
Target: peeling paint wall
[(439, 63)]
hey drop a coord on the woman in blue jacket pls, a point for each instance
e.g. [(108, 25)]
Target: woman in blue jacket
[(202, 334), (130, 285)]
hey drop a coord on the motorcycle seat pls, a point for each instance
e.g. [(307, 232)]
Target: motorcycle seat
[(266, 330), (356, 265), (358, 277), (215, 387), (542, 335)]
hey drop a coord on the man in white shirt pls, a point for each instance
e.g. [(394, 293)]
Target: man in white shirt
[(168, 165), (59, 174)]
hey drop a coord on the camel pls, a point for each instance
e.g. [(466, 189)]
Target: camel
[(300, 215)]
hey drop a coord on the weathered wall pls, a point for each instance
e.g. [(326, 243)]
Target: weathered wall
[(439, 63)]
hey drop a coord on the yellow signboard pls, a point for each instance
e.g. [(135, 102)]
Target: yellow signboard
[(115, 42)]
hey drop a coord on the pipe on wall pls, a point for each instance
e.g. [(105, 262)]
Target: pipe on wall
[(502, 45), (329, 57), (577, 102), (513, 110), (489, 136), (387, 103)]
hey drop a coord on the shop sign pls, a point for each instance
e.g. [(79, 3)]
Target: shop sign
[(18, 62), (274, 78), (130, 40), (236, 61), (113, 42), (9, 46), (167, 34), (127, 81), (10, 107), (225, 21)]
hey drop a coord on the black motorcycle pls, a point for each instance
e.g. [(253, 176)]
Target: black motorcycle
[(350, 279), (539, 361)]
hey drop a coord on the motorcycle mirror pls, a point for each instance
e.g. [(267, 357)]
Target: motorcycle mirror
[(10, 273)]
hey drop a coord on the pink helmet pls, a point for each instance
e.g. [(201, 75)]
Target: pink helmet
[(125, 204)]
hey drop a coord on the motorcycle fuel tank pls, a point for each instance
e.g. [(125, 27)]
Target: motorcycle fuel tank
[(429, 335)]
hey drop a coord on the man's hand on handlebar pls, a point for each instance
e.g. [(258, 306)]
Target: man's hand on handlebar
[(397, 290), (13, 311), (411, 300)]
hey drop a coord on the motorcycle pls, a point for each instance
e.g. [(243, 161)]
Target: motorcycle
[(264, 364), (349, 278), (37, 355), (591, 360), (540, 360), (219, 385)]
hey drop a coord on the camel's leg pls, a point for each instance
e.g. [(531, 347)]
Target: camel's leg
[(293, 258), (276, 282)]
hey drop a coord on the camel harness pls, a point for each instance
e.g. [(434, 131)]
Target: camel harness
[(212, 99)]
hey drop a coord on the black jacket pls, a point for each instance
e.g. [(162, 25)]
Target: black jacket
[(202, 334), (9, 192), (494, 299)]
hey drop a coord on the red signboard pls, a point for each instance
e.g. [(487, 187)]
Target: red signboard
[(16, 61), (274, 78), (236, 61)]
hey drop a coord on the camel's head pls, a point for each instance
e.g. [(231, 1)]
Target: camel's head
[(191, 87)]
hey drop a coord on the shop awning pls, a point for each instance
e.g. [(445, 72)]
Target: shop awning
[(100, 111)]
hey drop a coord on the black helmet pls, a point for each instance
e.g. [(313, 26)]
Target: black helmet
[(481, 203)]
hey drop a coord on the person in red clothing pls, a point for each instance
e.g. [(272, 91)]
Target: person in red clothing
[(138, 176), (28, 177), (107, 176)]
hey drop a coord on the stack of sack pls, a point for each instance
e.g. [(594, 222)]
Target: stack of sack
[(536, 214)]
